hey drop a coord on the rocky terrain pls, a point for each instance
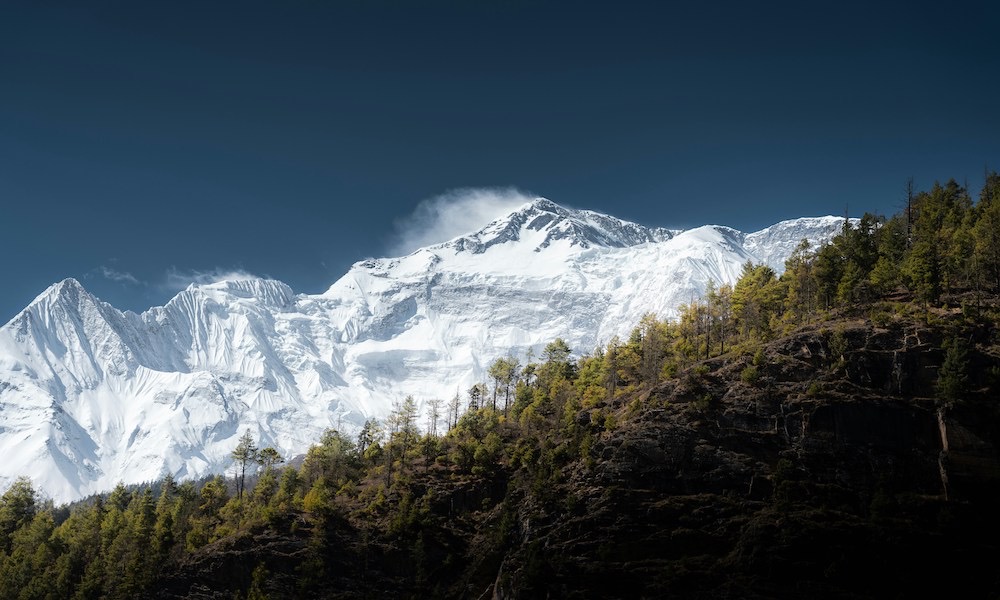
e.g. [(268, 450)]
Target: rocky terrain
[(823, 465)]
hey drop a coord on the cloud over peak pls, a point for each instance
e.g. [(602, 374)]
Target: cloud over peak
[(452, 214), (177, 280), (115, 275)]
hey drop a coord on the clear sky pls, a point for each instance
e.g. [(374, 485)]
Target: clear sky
[(144, 145)]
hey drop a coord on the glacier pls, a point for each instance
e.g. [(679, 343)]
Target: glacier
[(91, 396)]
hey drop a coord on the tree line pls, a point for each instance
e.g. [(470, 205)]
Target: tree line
[(529, 420)]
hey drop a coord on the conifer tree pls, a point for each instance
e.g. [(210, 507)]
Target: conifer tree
[(720, 301), (891, 240), (245, 453), (986, 233), (370, 435), (476, 393), (557, 364), (654, 336), (17, 508), (403, 430), (953, 378), (504, 372), (610, 366), (756, 298), (268, 457), (453, 410), (163, 528)]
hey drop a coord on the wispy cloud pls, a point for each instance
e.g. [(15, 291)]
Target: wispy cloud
[(115, 275), (453, 213), (176, 279)]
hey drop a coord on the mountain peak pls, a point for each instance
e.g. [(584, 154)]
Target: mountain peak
[(171, 389), (68, 290), (70, 282), (543, 223), (545, 205), (66, 286)]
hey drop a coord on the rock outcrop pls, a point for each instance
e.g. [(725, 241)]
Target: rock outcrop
[(822, 466)]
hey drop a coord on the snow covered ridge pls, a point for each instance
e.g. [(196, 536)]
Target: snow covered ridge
[(90, 395)]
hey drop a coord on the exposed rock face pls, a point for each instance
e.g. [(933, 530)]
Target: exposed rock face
[(835, 473), (844, 480)]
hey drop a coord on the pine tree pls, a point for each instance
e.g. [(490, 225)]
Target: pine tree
[(370, 435), (986, 233), (504, 372), (495, 371), (653, 347), (268, 457), (163, 529), (720, 302), (557, 364), (27, 570), (610, 367), (17, 508), (953, 378), (245, 453), (453, 409), (335, 458), (891, 240), (476, 393), (757, 297), (403, 430), (257, 584)]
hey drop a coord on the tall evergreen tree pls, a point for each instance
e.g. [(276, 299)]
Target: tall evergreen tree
[(268, 457), (953, 378), (757, 297), (986, 233), (244, 454), (18, 506)]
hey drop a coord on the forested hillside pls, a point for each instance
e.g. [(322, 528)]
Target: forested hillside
[(832, 432)]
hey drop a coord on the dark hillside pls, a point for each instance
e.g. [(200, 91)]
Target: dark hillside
[(835, 472)]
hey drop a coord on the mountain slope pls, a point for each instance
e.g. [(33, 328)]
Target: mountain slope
[(835, 475), (90, 395)]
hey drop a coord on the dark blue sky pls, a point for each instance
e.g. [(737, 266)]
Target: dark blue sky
[(144, 144)]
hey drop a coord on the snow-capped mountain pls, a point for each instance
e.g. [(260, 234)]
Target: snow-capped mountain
[(90, 395)]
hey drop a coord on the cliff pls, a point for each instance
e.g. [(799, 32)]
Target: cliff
[(822, 464)]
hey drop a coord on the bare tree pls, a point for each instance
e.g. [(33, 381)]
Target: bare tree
[(909, 212), (453, 408), (433, 414)]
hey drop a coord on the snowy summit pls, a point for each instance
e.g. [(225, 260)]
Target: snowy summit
[(90, 395)]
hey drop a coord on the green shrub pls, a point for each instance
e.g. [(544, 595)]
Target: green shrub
[(880, 318), (750, 375), (610, 422), (838, 343)]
